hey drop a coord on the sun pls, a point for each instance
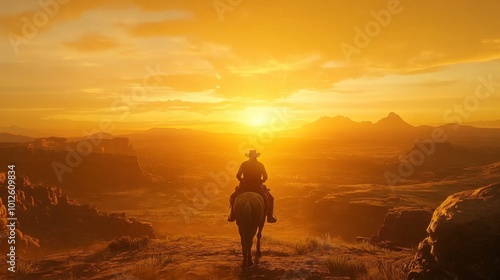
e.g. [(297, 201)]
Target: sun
[(256, 116), (258, 120)]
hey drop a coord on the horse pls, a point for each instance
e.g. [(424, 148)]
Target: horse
[(250, 213)]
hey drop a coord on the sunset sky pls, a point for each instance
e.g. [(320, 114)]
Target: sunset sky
[(68, 64)]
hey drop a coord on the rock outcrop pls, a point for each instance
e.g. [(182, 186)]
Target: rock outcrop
[(24, 242), (404, 226), (347, 219), (108, 164), (49, 219), (463, 240)]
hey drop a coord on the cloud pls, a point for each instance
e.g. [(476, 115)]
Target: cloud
[(92, 43), (188, 82), (227, 106), (180, 105), (263, 51), (424, 35)]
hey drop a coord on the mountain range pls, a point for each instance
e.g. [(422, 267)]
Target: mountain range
[(391, 129)]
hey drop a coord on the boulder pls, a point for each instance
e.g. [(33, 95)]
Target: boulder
[(404, 226), (463, 238)]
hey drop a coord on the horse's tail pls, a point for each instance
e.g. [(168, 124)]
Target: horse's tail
[(247, 218), (249, 211)]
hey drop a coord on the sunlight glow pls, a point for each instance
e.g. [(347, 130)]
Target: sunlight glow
[(257, 116)]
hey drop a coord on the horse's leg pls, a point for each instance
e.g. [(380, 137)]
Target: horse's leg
[(243, 251), (249, 251), (243, 247), (259, 235)]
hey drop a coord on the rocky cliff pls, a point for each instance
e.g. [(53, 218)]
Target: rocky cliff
[(403, 226), (49, 219), (83, 165)]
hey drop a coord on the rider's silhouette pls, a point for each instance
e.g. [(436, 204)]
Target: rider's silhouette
[(252, 174)]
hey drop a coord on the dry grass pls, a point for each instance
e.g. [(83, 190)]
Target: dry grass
[(323, 243), (355, 262), (23, 269), (126, 243), (149, 269), (312, 244), (344, 266), (183, 237), (353, 268), (300, 249), (384, 270), (122, 244), (363, 247), (269, 239), (99, 256)]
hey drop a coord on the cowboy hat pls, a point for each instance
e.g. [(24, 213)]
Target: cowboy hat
[(252, 153)]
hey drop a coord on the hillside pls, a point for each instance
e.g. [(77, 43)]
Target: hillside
[(16, 130), (215, 257), (13, 138)]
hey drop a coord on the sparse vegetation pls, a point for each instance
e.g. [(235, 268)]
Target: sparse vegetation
[(355, 262), (269, 239), (326, 242), (310, 244), (183, 237), (300, 249), (126, 243), (344, 266), (364, 269), (149, 269), (382, 270), (278, 253), (99, 256), (24, 268), (363, 247)]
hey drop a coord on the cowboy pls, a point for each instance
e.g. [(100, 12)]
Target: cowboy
[(252, 174)]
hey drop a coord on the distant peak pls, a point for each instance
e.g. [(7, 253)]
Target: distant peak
[(393, 115), (337, 118), (393, 119)]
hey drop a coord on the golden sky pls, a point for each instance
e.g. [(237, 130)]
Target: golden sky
[(70, 64)]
